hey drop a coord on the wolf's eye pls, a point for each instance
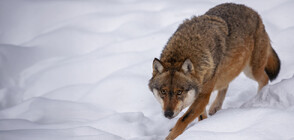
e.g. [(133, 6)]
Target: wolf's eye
[(179, 92), (163, 91)]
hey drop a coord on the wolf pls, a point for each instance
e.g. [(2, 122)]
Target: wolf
[(205, 54)]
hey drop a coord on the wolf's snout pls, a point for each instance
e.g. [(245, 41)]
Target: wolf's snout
[(169, 114)]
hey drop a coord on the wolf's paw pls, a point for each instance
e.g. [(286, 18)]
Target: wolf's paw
[(169, 138), (213, 109)]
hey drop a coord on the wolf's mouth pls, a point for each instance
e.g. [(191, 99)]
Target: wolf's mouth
[(170, 117)]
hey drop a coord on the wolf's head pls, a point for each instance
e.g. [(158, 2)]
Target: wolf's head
[(175, 89)]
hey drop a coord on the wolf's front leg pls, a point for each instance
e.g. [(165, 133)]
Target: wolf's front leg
[(194, 111)]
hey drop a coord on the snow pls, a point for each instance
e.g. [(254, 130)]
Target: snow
[(80, 69)]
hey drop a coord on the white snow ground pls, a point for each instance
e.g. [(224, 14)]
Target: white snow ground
[(78, 70)]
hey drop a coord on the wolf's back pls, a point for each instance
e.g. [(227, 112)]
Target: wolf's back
[(241, 20)]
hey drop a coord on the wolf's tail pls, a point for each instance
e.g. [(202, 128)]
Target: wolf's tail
[(272, 67)]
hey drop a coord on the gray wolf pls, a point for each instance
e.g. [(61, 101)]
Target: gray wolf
[(205, 54)]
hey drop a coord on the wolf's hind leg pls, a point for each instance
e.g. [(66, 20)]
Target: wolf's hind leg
[(262, 55), (261, 78), (218, 102)]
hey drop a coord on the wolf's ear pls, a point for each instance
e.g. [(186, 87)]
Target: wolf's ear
[(187, 66), (157, 66)]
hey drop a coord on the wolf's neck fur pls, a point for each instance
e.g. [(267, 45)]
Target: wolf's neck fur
[(201, 40)]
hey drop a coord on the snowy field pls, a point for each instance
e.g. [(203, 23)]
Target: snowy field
[(79, 69)]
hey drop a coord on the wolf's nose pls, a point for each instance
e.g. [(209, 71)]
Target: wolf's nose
[(168, 114)]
